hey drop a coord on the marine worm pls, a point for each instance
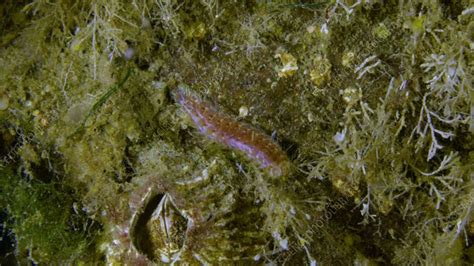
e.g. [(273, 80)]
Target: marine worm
[(224, 129)]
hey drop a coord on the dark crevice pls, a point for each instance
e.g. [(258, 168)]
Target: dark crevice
[(139, 231)]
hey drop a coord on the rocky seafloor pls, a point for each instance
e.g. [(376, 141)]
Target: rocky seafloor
[(236, 132)]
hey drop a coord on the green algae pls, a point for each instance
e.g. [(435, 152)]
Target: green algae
[(47, 221), (371, 100)]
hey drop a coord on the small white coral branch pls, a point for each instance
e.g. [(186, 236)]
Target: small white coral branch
[(446, 180), (362, 69), (461, 224), (365, 211), (348, 9), (445, 164), (427, 114)]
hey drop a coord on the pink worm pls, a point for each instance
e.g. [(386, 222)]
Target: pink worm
[(229, 132)]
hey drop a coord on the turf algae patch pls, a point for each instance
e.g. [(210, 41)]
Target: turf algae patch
[(46, 221)]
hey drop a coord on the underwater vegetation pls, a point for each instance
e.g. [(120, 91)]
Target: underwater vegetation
[(215, 132)]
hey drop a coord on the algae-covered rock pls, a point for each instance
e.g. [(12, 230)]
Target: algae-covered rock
[(336, 132)]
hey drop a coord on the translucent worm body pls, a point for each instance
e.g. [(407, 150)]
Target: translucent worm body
[(226, 130)]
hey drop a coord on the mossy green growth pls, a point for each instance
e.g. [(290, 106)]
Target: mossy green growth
[(47, 221)]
